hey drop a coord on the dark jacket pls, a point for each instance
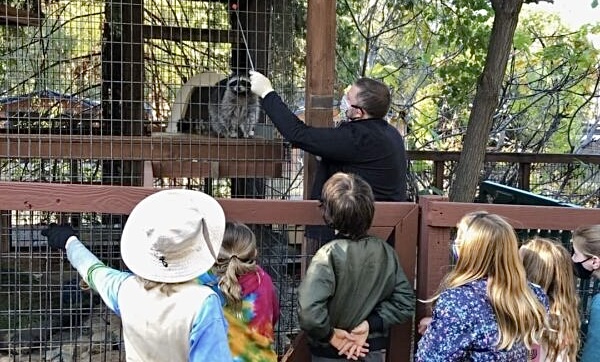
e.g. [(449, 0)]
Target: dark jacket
[(348, 282), (370, 148)]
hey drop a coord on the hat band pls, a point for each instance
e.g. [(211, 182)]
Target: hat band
[(207, 239)]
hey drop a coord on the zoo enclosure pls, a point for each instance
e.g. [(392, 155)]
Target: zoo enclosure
[(46, 314)]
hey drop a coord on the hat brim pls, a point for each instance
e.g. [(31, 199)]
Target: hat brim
[(198, 259)]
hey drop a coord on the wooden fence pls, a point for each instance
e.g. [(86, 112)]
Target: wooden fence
[(421, 232), (442, 159), (396, 222)]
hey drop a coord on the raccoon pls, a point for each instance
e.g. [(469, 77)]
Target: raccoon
[(233, 110)]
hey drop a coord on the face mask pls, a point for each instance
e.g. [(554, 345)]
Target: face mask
[(344, 105), (580, 271), (454, 253)]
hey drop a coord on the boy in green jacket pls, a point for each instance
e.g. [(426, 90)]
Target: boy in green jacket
[(354, 288)]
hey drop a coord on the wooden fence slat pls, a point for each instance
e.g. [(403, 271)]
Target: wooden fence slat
[(405, 244), (447, 214)]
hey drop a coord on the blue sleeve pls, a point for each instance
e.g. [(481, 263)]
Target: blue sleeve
[(591, 349), (210, 280), (104, 280), (208, 338), (449, 336)]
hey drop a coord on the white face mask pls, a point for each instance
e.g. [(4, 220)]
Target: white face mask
[(344, 105)]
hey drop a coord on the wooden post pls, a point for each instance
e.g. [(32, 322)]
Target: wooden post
[(432, 256), (122, 88), (5, 231), (405, 243), (320, 68), (524, 175), (438, 174), (254, 20)]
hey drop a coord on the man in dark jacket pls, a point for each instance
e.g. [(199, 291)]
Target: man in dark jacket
[(366, 144)]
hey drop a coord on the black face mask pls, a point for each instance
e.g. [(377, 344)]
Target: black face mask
[(580, 271), (454, 258)]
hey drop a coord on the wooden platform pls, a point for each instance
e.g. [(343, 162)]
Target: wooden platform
[(171, 155)]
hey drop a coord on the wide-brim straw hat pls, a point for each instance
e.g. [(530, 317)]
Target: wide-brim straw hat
[(173, 236)]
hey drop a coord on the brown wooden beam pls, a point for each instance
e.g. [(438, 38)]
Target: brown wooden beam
[(122, 199), (405, 243), (132, 67), (190, 34), (433, 258), (216, 169), (10, 15), (438, 174), (524, 176), (507, 157), (177, 147), (447, 214)]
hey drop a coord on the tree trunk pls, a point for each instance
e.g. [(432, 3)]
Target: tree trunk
[(472, 156)]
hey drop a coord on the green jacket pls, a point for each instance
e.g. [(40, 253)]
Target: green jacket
[(348, 282)]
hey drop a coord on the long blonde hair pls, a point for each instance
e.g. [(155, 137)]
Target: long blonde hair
[(236, 258), (165, 288), (548, 264), (488, 248)]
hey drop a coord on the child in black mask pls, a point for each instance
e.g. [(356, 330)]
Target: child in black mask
[(586, 264)]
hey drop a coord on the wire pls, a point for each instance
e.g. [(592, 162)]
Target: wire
[(234, 6)]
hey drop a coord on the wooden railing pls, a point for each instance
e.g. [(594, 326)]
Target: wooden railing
[(395, 222), (440, 159), (422, 244)]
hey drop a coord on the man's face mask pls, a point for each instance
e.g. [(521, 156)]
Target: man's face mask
[(345, 106)]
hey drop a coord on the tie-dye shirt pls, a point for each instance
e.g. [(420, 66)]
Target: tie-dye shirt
[(251, 337)]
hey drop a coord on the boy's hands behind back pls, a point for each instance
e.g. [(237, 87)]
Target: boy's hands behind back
[(352, 344)]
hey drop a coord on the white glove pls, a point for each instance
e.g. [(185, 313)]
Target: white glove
[(261, 85)]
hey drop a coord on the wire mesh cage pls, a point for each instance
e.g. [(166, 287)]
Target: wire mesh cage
[(135, 93), (48, 312), (121, 83)]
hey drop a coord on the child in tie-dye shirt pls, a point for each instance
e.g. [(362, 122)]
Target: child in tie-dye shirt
[(250, 302)]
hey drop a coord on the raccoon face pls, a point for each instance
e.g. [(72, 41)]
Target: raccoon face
[(239, 85)]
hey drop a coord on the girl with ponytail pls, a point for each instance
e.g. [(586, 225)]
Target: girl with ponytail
[(251, 304)]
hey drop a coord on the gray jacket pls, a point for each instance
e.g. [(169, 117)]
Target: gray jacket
[(348, 282)]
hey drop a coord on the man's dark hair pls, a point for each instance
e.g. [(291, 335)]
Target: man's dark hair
[(348, 204), (373, 96)]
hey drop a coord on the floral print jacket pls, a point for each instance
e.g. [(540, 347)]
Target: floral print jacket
[(464, 328)]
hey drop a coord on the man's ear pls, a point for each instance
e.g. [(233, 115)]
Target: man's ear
[(363, 114)]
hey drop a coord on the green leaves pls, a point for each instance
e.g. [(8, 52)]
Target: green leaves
[(433, 52)]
